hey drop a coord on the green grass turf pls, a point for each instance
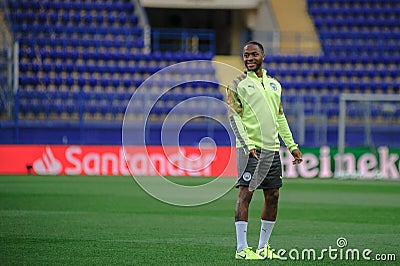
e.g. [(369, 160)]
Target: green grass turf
[(60, 220)]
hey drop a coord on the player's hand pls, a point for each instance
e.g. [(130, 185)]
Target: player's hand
[(297, 156), (253, 153)]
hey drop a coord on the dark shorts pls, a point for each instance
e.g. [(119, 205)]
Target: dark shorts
[(265, 173)]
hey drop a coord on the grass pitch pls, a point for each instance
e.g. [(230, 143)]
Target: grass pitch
[(60, 220)]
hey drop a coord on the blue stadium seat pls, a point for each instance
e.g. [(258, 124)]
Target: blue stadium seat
[(65, 17), (70, 108), (45, 80), (99, 18), (57, 80), (133, 19)]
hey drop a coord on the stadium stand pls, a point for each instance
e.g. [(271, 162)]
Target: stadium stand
[(361, 52), (92, 51), (82, 60)]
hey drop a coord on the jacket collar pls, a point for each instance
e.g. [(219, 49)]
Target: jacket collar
[(252, 74)]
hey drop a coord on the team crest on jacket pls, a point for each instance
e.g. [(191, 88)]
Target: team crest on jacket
[(273, 86), (246, 176)]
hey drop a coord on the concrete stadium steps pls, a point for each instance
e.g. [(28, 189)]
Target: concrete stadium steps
[(294, 22)]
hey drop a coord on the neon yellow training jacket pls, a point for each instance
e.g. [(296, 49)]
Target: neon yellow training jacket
[(256, 114)]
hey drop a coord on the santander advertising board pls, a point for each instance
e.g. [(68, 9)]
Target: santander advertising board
[(111, 160)]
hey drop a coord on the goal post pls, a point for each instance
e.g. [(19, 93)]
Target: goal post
[(363, 104)]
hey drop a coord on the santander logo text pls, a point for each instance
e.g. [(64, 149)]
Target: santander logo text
[(94, 163), (79, 161)]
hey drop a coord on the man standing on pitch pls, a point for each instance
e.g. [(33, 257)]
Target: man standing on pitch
[(256, 117)]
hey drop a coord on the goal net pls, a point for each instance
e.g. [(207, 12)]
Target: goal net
[(370, 122)]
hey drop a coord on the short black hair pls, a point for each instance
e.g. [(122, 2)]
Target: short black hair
[(255, 43)]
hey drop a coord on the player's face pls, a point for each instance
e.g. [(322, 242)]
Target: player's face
[(253, 57)]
